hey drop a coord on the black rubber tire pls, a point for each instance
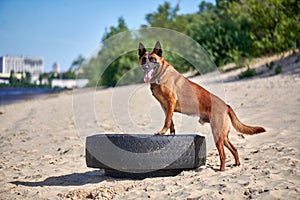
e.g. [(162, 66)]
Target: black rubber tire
[(142, 175), (139, 156)]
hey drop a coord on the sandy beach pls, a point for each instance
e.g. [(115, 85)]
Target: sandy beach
[(43, 153)]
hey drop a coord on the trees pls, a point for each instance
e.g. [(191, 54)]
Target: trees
[(167, 16), (229, 31), (100, 71), (76, 63), (121, 65), (12, 78), (24, 81), (27, 78), (275, 25), (114, 30), (223, 30), (235, 29)]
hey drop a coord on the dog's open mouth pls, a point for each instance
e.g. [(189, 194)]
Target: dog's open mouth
[(148, 75)]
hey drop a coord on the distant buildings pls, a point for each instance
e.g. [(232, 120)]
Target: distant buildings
[(69, 83), (35, 66), (56, 68)]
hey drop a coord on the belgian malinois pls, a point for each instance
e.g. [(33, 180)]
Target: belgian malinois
[(176, 93)]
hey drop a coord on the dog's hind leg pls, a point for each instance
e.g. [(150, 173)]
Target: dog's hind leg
[(220, 127), (232, 149), (219, 141), (220, 147), (228, 144)]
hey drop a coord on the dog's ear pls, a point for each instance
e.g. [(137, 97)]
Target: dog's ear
[(157, 49), (142, 50)]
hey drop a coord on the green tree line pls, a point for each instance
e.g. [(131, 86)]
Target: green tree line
[(229, 30)]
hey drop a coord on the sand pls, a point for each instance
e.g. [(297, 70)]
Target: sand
[(43, 155)]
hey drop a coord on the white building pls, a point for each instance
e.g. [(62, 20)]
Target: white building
[(69, 83), (35, 66), (56, 68)]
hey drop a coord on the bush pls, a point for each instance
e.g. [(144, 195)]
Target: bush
[(278, 69), (248, 73), (270, 65)]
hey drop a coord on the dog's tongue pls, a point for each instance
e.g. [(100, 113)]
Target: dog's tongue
[(148, 76)]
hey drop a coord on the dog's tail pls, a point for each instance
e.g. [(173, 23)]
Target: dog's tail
[(242, 128)]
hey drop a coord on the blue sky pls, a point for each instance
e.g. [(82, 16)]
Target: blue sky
[(60, 30)]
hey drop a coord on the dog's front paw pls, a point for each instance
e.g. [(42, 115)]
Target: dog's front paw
[(159, 133)]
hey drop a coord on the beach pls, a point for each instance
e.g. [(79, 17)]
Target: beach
[(43, 152)]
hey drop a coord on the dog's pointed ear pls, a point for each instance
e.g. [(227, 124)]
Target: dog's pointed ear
[(157, 49), (142, 50)]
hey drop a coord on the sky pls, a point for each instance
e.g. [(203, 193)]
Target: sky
[(60, 30)]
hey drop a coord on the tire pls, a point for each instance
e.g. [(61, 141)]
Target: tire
[(140, 156)]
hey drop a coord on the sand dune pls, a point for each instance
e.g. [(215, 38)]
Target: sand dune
[(42, 142)]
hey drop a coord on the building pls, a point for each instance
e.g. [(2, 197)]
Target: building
[(35, 66), (69, 83), (56, 68), (21, 64)]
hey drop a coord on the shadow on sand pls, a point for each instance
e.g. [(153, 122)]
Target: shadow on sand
[(74, 179)]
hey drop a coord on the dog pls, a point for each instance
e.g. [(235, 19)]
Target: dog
[(176, 93)]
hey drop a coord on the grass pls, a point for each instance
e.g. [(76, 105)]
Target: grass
[(270, 65), (278, 69), (248, 73)]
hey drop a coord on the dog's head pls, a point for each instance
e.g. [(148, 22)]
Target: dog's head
[(150, 61)]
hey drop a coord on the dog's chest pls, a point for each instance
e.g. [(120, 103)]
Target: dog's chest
[(157, 91)]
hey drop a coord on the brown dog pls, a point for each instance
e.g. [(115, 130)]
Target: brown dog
[(176, 93)]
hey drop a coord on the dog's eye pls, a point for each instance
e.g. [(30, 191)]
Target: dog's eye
[(151, 59), (144, 60)]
